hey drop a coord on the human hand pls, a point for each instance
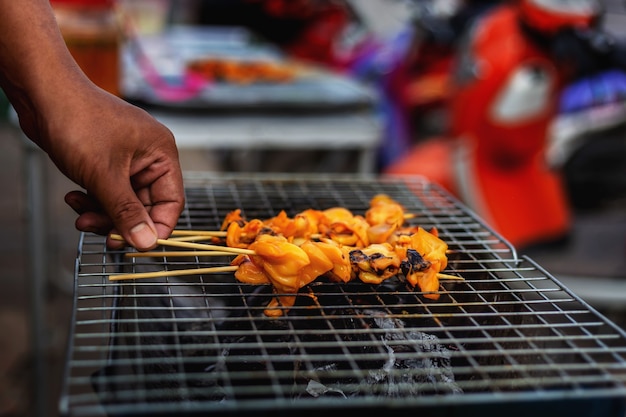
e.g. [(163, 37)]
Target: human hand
[(125, 160)]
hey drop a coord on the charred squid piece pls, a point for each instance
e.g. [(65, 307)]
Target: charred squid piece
[(421, 274), (414, 262), (359, 260), (375, 263)]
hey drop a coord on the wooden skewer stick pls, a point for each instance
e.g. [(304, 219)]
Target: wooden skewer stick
[(190, 238), (178, 253), (199, 271), (173, 273), (213, 250), (216, 233), (190, 245), (450, 277)]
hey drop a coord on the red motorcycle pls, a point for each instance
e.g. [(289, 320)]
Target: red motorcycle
[(509, 72)]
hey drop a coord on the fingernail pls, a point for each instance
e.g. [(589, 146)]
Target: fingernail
[(143, 236)]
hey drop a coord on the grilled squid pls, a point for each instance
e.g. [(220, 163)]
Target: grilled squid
[(375, 263), (282, 261), (426, 256), (292, 252), (384, 216)]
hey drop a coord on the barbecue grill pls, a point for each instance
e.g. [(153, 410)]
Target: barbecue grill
[(509, 338)]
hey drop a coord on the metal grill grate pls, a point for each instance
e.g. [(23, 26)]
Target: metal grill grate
[(508, 338)]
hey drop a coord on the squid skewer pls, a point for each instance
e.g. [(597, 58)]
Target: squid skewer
[(289, 253)]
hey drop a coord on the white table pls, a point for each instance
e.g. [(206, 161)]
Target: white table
[(320, 109), (360, 131)]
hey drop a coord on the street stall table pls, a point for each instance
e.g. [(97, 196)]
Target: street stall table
[(358, 132), (213, 87)]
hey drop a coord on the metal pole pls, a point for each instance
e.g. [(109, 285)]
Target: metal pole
[(37, 238)]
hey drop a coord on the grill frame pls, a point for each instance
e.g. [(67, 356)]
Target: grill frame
[(517, 340)]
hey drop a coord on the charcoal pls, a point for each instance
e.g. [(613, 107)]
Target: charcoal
[(428, 370)]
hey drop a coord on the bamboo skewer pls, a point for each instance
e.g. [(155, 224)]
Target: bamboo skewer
[(173, 273), (190, 238), (172, 254), (443, 276), (190, 245), (203, 250), (213, 233), (209, 270)]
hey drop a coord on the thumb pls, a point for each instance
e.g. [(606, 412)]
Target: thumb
[(142, 236), (131, 219)]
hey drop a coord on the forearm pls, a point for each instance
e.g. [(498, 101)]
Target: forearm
[(36, 69), (125, 160)]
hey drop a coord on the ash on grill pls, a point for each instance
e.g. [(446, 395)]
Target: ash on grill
[(436, 365)]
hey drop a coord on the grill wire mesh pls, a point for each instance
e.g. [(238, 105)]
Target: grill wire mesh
[(509, 336)]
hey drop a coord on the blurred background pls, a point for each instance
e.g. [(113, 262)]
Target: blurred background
[(515, 107)]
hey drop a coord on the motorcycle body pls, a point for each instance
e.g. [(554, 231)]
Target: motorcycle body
[(504, 96), (588, 141), (412, 70)]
